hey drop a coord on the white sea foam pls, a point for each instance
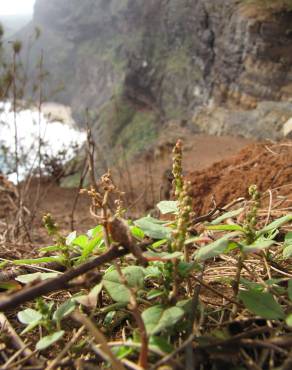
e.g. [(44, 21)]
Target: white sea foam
[(57, 133)]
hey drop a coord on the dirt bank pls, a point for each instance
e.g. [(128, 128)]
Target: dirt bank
[(267, 165)]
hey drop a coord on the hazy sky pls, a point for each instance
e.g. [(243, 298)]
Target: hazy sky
[(10, 7)]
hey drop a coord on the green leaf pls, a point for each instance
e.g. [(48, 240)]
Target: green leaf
[(113, 307), (159, 243), (160, 343), (275, 224), (118, 291), (289, 320), (37, 261), (260, 287), (224, 227), (4, 264), (134, 276), (159, 318), (81, 241), (287, 252), (70, 238), (47, 341), (31, 326), (97, 231), (137, 232), (64, 310), (152, 271), (192, 240), (251, 285), (51, 248), (169, 206), (290, 289), (90, 300), (186, 305), (227, 215), (274, 283), (28, 278), (122, 351), (9, 285), (288, 238), (29, 316), (154, 293), (153, 220), (89, 248), (220, 246), (258, 245), (151, 317), (165, 256), (153, 229), (185, 268), (262, 304), (109, 318)]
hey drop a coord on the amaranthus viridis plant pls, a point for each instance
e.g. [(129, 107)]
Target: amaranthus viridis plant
[(251, 216), (182, 220), (181, 192), (53, 230), (249, 233)]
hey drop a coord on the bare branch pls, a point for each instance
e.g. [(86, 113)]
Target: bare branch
[(60, 282)]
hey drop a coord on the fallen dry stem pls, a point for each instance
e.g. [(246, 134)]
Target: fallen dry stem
[(6, 325), (60, 282), (99, 338), (73, 340)]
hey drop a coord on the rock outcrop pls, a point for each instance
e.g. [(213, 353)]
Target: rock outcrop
[(136, 64), (269, 120)]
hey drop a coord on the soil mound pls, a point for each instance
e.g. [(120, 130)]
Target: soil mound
[(267, 165)]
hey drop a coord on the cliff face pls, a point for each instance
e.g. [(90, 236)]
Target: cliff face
[(136, 63)]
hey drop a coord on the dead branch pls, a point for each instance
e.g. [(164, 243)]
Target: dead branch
[(60, 282), (100, 339), (5, 324)]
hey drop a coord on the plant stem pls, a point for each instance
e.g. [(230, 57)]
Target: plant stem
[(100, 339), (133, 306), (236, 282)]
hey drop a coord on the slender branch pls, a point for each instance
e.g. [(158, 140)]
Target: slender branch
[(99, 338), (73, 340), (81, 182), (133, 306), (18, 343), (207, 286), (236, 283), (60, 282), (16, 154)]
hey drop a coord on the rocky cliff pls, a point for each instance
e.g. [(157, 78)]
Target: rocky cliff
[(136, 64)]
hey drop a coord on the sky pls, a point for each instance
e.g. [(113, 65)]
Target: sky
[(16, 7)]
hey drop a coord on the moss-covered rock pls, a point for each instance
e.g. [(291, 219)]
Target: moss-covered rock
[(139, 133)]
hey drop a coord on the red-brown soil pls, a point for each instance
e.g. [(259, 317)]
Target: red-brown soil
[(267, 165)]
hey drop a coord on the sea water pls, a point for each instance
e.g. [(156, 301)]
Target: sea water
[(54, 126)]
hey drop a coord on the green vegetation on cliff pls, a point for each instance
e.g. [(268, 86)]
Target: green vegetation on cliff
[(127, 129), (276, 5)]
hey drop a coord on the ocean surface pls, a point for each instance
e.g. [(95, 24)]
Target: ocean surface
[(54, 126)]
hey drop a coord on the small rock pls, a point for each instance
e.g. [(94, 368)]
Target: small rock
[(287, 129)]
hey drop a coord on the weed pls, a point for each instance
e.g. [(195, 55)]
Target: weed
[(164, 302)]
